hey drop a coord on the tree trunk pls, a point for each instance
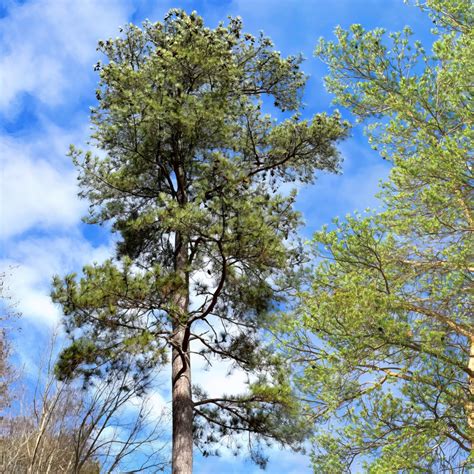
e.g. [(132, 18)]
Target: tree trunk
[(182, 402)]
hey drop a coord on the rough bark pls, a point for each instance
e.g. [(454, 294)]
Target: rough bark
[(182, 403)]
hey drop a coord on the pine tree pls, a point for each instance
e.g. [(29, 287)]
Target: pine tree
[(189, 179), (386, 331)]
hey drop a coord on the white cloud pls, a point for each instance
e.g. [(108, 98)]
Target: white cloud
[(158, 406), (338, 195), (49, 47), (37, 190), (219, 379), (35, 261)]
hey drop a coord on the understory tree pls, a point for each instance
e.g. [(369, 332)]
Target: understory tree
[(385, 333), (55, 427), (188, 177)]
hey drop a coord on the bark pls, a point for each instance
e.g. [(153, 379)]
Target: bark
[(182, 403)]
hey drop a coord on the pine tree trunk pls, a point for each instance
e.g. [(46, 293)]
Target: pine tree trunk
[(182, 403)]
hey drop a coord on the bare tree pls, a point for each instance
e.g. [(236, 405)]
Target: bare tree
[(61, 427), (8, 314)]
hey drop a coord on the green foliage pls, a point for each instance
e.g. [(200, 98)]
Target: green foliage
[(189, 179), (385, 332), (270, 407)]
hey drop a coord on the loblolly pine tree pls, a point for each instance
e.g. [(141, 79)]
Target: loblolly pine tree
[(189, 179), (386, 331)]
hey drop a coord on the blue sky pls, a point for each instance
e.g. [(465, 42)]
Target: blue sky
[(47, 84)]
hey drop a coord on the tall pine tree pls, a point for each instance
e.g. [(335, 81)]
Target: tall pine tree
[(189, 179)]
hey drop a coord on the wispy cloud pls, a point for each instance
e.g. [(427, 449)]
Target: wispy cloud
[(34, 261), (38, 187), (49, 46)]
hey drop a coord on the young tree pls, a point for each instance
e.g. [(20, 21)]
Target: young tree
[(391, 366), (189, 179)]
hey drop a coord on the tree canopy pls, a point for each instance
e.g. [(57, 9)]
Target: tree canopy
[(385, 333)]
